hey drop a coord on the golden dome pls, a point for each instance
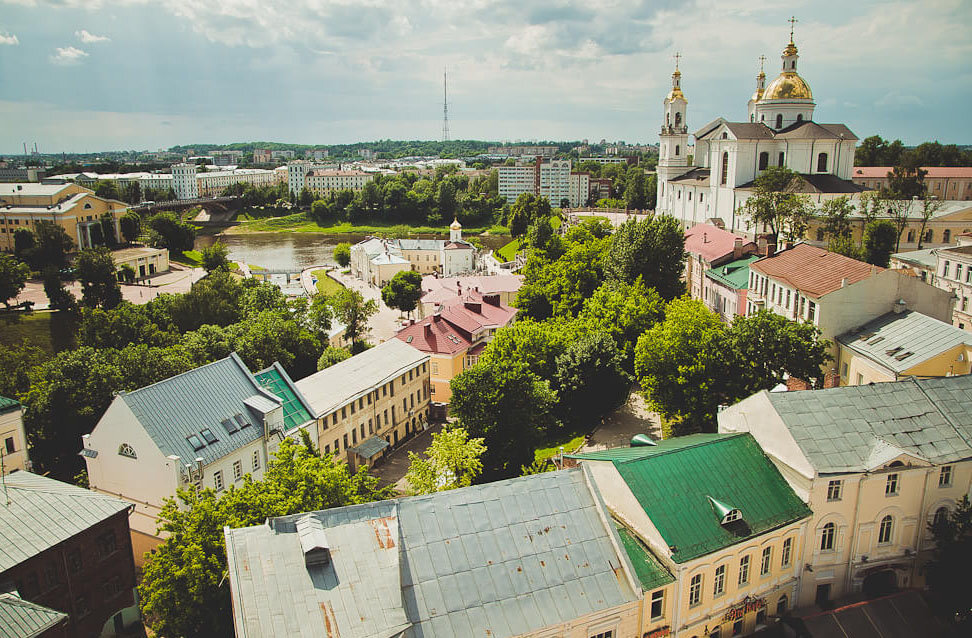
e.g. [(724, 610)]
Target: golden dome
[(758, 94), (455, 225), (788, 86), (676, 93)]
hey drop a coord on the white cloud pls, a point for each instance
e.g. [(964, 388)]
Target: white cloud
[(90, 38), (66, 56), (9, 38)]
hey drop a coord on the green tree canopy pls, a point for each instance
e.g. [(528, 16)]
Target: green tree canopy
[(624, 311), (171, 232), (558, 287), (652, 249), (184, 590), (403, 291), (16, 362), (590, 380), (332, 355), (450, 461), (13, 277), (342, 254), (215, 256), (777, 204), (351, 309), (635, 187), (53, 246), (131, 226), (95, 269), (880, 237)]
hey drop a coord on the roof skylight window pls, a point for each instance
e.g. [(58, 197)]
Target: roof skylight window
[(243, 423), (209, 436), (230, 426), (195, 442)]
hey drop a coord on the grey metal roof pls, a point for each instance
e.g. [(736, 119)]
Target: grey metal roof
[(43, 512), (844, 429), (370, 447), (343, 382), (420, 244), (500, 559), (22, 619), (927, 257), (902, 341), (202, 398)]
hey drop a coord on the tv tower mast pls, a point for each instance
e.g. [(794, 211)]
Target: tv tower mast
[(445, 106)]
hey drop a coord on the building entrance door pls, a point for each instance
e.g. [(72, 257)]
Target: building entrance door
[(119, 625), (880, 583), (823, 595)]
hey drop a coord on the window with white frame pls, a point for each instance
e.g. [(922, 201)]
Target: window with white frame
[(695, 590), (891, 487), (764, 567), (604, 634), (884, 532), (256, 459), (744, 570), (827, 537), (834, 489), (945, 476), (218, 480), (657, 604), (719, 582), (787, 551), (237, 470)]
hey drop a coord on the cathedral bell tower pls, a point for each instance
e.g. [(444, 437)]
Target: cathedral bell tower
[(673, 144), (760, 89)]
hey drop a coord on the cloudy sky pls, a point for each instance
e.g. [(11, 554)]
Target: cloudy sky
[(87, 75)]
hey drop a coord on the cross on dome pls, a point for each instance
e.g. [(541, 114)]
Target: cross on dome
[(792, 22)]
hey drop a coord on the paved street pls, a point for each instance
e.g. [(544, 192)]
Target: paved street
[(394, 466), (178, 279), (634, 417), (386, 322)]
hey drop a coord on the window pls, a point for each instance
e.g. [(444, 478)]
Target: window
[(124, 450), (891, 487), (354, 436), (827, 537), (352, 407), (834, 488), (218, 480), (822, 163), (74, 561), (787, 550), (946, 236), (744, 570), (812, 312), (764, 567), (884, 532), (106, 543), (911, 236), (604, 634), (737, 628), (695, 590), (782, 156), (256, 459), (945, 268), (237, 470), (843, 373), (209, 437), (657, 604), (941, 515), (929, 235), (725, 168), (195, 442), (799, 117), (781, 605), (344, 413), (860, 379), (719, 582), (945, 476), (763, 160), (779, 120)]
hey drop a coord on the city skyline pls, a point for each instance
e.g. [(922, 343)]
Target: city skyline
[(133, 75)]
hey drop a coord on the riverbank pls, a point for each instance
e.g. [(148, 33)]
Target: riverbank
[(301, 223)]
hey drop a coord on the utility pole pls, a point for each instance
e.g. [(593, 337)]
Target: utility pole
[(445, 106)]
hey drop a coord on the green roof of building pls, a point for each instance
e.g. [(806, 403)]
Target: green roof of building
[(23, 619), (675, 481), (8, 404), (295, 408), (650, 572), (735, 274)]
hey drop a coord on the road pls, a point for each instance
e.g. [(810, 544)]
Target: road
[(383, 325)]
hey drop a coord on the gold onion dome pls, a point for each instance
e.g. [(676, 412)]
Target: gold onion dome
[(758, 94), (455, 225), (788, 86)]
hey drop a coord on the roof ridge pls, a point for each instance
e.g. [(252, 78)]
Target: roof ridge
[(160, 381), (86, 493), (655, 452)]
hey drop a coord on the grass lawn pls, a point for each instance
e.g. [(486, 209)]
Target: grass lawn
[(301, 223), (188, 258), (42, 329), (325, 284), (569, 447), (508, 252)]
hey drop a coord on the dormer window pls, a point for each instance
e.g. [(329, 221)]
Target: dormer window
[(726, 513), (127, 450)]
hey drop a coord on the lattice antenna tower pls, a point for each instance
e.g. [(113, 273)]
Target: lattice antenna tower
[(445, 106)]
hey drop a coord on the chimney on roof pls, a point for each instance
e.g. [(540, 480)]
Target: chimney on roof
[(492, 299), (313, 541), (474, 306), (900, 306), (737, 248), (843, 282), (705, 238), (428, 328)]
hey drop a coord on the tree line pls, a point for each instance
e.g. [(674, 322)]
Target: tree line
[(876, 151)]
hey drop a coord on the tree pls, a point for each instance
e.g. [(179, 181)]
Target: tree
[(95, 269), (525, 210), (634, 191), (351, 309), (306, 197), (58, 296), (837, 214), (107, 189), (451, 461), (332, 355), (16, 361), (216, 299), (590, 380), (125, 324), (131, 226), (880, 237), (24, 244), (652, 249), (558, 287), (342, 254), (624, 311), (951, 562), (269, 336), (929, 206), (509, 407), (172, 233), (777, 204), (318, 316), (403, 291), (53, 246), (184, 591), (214, 257), (13, 277)]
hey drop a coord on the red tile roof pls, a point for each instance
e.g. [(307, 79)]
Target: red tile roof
[(814, 271), (451, 330), (446, 289), (711, 242), (871, 172)]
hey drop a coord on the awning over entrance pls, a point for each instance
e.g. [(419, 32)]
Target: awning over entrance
[(370, 447)]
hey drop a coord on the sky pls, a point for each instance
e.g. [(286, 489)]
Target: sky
[(93, 75)]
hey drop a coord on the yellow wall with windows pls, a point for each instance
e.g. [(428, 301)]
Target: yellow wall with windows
[(955, 223), (857, 369), (444, 369), (88, 208), (13, 440)]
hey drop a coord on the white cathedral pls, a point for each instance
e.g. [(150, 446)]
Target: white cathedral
[(728, 156)]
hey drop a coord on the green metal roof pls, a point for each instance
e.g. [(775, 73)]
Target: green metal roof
[(8, 404), (295, 409), (650, 572), (23, 619), (675, 481), (735, 274)]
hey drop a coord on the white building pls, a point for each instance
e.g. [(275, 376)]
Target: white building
[(378, 260), (554, 182), (729, 156), (515, 180), (206, 428), (185, 181), (321, 182), (543, 178), (580, 189)]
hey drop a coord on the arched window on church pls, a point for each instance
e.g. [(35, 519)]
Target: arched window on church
[(779, 120), (799, 117), (668, 119), (822, 163), (763, 160), (782, 157), (725, 168), (678, 119), (677, 149), (946, 236)]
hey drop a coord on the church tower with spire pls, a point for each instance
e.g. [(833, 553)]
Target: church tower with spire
[(760, 90), (673, 145), (788, 99)]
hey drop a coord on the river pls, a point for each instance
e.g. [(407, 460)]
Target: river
[(296, 251)]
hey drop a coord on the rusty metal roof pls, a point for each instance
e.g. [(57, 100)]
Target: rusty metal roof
[(500, 559), (814, 271)]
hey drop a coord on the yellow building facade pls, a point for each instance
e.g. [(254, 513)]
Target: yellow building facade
[(13, 439)]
